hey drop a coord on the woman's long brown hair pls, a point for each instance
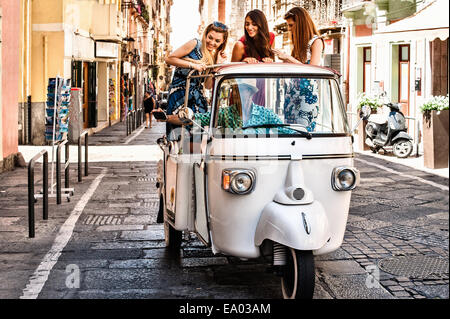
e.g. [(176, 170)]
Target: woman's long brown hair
[(303, 31), (259, 46)]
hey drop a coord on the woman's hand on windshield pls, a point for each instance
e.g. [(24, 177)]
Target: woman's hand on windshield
[(267, 60), (250, 60), (284, 56), (200, 67)]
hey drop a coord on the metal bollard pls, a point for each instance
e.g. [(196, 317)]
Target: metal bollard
[(31, 195), (86, 164), (58, 172), (128, 122)]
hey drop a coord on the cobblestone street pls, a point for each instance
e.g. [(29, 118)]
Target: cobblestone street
[(397, 231)]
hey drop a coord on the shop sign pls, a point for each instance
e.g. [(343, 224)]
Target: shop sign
[(106, 50), (126, 67), (81, 47)]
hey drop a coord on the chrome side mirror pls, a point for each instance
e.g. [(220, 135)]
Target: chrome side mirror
[(365, 112), (186, 115)]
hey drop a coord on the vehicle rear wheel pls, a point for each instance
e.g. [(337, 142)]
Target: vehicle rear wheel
[(402, 148), (160, 217), (172, 236), (298, 278)]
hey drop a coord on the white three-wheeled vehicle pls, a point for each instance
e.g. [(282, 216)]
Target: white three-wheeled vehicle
[(267, 171)]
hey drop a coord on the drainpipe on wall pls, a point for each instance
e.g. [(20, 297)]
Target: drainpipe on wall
[(29, 120), (22, 97), (27, 79)]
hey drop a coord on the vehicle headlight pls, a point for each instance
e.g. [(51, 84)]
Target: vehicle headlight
[(238, 181), (344, 178)]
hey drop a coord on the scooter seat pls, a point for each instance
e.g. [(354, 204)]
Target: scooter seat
[(378, 119)]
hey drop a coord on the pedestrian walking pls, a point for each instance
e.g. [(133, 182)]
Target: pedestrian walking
[(149, 106)]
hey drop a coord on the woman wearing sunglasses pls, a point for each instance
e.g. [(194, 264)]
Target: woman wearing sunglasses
[(301, 101), (195, 54), (303, 35)]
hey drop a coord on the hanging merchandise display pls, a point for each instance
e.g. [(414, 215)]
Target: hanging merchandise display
[(112, 99), (57, 125), (57, 109)]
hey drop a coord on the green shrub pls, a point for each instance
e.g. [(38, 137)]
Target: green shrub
[(435, 103), (372, 101)]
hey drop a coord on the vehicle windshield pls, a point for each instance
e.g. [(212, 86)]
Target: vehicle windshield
[(282, 106)]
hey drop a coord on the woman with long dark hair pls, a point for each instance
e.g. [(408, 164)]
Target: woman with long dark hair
[(257, 43), (255, 46)]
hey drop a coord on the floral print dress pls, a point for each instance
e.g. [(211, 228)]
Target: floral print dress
[(301, 102)]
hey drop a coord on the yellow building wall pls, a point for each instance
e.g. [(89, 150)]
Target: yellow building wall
[(52, 23), (47, 11), (48, 61)]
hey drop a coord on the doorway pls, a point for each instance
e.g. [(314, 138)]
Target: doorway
[(404, 77), (85, 105)]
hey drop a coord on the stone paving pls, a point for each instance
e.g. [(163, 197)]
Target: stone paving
[(119, 248)]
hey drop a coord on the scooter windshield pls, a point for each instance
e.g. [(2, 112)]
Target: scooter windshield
[(280, 106)]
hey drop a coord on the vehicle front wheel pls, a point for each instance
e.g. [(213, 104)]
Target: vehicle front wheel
[(402, 148), (298, 278)]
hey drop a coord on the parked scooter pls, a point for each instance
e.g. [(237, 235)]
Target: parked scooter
[(389, 132)]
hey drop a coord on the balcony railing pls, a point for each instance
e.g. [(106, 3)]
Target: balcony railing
[(325, 13), (351, 5), (140, 7)]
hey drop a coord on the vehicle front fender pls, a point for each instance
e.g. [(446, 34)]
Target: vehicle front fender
[(302, 227), (402, 136)]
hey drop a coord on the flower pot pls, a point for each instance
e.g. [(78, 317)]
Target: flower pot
[(435, 139)]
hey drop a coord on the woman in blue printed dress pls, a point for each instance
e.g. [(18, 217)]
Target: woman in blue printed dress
[(301, 101), (195, 54)]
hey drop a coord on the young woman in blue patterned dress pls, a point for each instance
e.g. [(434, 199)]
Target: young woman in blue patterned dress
[(195, 54), (301, 101)]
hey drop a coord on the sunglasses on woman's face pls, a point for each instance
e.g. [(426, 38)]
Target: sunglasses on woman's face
[(220, 25), (289, 15)]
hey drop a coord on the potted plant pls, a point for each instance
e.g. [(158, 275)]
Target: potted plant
[(374, 102), (435, 131)]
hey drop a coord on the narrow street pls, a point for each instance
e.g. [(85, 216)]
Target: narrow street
[(105, 243)]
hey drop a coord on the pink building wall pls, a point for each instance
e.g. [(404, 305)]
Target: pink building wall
[(10, 74)]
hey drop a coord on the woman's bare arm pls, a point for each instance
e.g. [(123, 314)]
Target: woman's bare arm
[(175, 58), (238, 52), (316, 52)]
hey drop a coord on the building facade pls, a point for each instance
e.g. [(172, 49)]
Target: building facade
[(9, 70), (401, 48), (105, 47), (326, 14)]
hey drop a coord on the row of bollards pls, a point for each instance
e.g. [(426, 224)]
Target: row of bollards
[(32, 196), (134, 119)]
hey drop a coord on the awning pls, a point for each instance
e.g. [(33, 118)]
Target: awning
[(433, 19)]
